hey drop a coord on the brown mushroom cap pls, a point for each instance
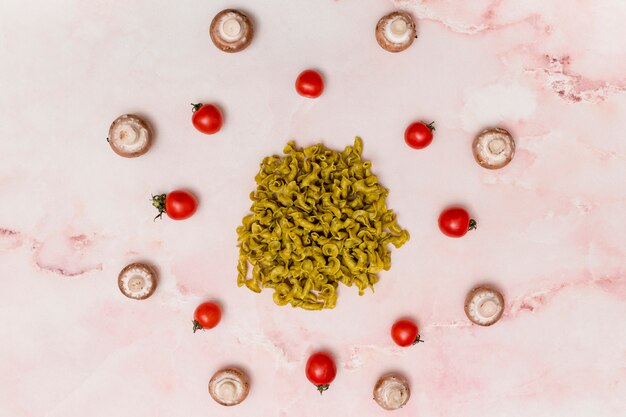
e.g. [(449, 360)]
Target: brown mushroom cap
[(231, 30), (137, 281), (229, 386), (396, 31), (130, 136), (484, 306), (493, 148), (392, 391)]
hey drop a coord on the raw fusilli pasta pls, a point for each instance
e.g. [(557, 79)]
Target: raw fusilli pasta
[(318, 218)]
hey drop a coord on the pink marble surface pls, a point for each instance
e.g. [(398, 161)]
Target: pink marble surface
[(551, 224)]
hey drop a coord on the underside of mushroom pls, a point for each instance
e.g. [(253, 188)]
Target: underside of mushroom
[(392, 391), (137, 281), (231, 30), (493, 148), (229, 386), (484, 306), (130, 136), (396, 31)]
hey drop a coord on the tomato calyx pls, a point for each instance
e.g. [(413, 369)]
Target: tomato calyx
[(322, 387), (418, 339), (197, 326), (472, 225), (196, 106), (431, 125), (158, 201)]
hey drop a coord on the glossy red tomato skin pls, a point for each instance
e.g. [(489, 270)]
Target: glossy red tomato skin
[(207, 118), (454, 222), (207, 315), (321, 369), (180, 205), (419, 135), (310, 84), (404, 333)]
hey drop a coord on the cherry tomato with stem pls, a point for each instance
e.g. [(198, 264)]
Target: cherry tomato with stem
[(321, 370), (405, 333), (456, 222), (310, 84), (206, 118), (178, 204), (206, 316), (419, 134)]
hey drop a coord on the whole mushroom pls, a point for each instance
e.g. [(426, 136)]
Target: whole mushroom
[(493, 148), (484, 305), (392, 391), (229, 386), (130, 136), (137, 281), (231, 30), (396, 31)]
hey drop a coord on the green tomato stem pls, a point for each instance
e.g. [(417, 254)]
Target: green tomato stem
[(196, 106), (431, 126), (472, 225), (196, 326), (418, 339), (158, 201), (321, 388)]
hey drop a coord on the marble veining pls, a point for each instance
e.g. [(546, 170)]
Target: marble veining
[(551, 224)]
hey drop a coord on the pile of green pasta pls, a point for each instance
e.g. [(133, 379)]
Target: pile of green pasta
[(318, 218)]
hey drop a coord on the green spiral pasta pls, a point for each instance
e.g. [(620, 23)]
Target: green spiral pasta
[(319, 218)]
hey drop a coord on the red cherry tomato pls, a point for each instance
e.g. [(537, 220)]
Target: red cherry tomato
[(206, 316), (404, 333), (310, 84), (207, 118), (419, 134), (455, 222), (321, 370), (178, 205)]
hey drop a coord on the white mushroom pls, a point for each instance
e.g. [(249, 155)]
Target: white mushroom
[(396, 31), (392, 391), (130, 136), (137, 281), (484, 306), (493, 148), (231, 30), (229, 386)]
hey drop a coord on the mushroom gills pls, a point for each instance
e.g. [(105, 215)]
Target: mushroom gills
[(484, 306), (231, 30), (494, 148), (130, 136), (392, 392), (397, 30), (137, 281), (229, 386)]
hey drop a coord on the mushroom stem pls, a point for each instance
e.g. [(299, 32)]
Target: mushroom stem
[(321, 388), (472, 225), (158, 201), (418, 339), (196, 106), (197, 326)]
